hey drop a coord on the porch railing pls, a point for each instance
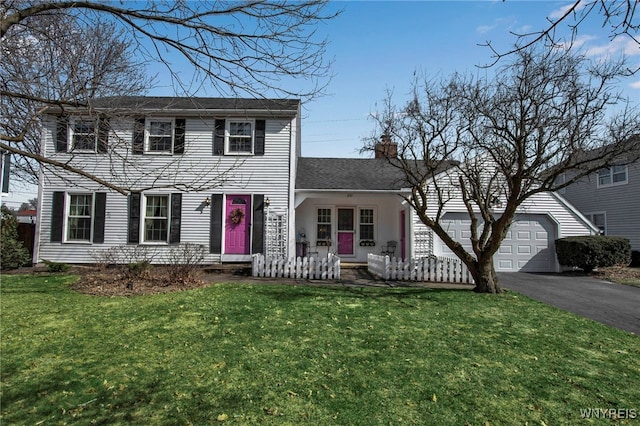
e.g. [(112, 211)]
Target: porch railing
[(321, 268), (431, 269)]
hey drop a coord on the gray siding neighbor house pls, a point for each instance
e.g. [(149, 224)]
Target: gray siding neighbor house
[(610, 198)]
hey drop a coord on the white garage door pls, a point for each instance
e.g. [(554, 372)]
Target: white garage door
[(528, 246)]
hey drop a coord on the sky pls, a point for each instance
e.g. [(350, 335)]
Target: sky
[(377, 46)]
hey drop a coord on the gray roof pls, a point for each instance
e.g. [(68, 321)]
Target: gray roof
[(356, 174), (348, 173), (287, 107)]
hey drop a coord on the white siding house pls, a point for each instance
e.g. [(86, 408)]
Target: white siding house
[(353, 207), (200, 170)]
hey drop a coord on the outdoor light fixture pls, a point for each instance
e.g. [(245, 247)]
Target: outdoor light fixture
[(207, 201), (267, 202)]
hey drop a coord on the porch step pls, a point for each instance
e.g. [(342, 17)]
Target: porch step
[(235, 268)]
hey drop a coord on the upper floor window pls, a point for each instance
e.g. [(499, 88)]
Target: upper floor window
[(83, 134), (159, 135), (155, 135), (79, 217), (614, 175), (235, 136), (240, 137)]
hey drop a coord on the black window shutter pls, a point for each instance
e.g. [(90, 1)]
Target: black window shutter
[(178, 139), (103, 134), (257, 239), (176, 215), (62, 129), (57, 216), (260, 136), (100, 210), (6, 171), (134, 218), (138, 136), (215, 231), (218, 138)]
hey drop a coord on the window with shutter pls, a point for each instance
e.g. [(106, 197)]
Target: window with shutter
[(157, 135)]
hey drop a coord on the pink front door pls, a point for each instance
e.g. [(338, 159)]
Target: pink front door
[(346, 231), (237, 228)]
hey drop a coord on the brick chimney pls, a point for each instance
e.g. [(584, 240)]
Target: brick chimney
[(385, 148)]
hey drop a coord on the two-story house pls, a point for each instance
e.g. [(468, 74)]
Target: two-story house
[(200, 170)]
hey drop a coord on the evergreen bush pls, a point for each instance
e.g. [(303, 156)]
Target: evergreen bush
[(590, 252), (13, 253)]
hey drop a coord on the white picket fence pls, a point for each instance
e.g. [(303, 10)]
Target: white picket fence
[(321, 268), (441, 269)]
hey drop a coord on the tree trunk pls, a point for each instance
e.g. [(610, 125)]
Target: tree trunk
[(485, 277)]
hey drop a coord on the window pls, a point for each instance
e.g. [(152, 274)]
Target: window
[(240, 137), (324, 224), (156, 218), (366, 224), (599, 220), (614, 175), (83, 135), (79, 217), (159, 135)]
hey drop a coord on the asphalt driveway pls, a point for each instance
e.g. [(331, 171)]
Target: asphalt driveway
[(612, 304)]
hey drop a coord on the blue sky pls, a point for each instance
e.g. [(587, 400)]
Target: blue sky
[(378, 45)]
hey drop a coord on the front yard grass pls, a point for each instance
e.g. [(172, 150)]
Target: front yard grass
[(259, 354)]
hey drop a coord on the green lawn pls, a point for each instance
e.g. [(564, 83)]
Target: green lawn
[(252, 354)]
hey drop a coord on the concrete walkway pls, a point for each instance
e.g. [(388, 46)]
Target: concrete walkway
[(612, 304)]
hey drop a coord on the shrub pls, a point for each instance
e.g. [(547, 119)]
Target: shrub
[(184, 261), (635, 258), (56, 266), (589, 252), (13, 253)]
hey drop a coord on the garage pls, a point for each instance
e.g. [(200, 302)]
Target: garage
[(528, 246)]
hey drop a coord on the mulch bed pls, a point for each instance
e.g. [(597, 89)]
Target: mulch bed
[(112, 283)]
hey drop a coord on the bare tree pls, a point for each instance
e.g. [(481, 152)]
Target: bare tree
[(52, 61), (548, 113), (618, 17), (253, 49)]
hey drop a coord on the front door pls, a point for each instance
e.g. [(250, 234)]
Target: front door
[(238, 224), (346, 231)]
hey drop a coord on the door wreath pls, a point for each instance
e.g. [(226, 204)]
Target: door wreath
[(236, 216)]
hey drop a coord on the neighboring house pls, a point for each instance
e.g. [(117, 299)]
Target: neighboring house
[(27, 216), (242, 152), (271, 201), (610, 199)]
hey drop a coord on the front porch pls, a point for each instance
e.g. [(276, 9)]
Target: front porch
[(351, 224)]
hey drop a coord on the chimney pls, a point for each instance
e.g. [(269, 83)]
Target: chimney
[(385, 148)]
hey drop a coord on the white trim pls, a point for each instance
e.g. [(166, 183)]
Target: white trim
[(143, 216), (565, 203), (71, 133), (227, 136), (147, 135), (611, 173), (67, 210)]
